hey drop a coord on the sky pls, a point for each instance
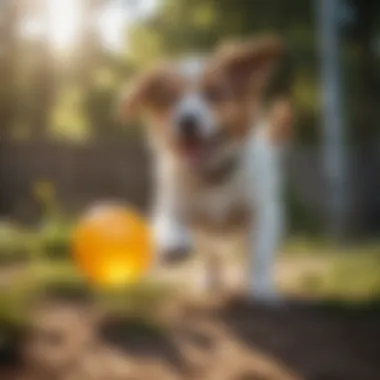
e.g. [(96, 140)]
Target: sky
[(64, 20)]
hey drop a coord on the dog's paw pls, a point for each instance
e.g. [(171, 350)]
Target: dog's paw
[(172, 240), (267, 297)]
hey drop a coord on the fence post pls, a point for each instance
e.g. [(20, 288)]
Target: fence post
[(334, 150)]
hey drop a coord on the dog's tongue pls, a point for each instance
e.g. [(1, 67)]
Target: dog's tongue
[(194, 152)]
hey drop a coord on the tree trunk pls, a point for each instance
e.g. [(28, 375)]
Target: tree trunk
[(9, 20)]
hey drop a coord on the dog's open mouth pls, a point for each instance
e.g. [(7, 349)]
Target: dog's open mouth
[(195, 150)]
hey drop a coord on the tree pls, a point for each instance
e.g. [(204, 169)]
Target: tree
[(9, 22)]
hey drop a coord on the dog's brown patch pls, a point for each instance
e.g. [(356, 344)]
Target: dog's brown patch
[(235, 79), (154, 92), (232, 86)]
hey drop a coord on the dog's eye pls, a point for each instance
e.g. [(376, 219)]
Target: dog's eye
[(163, 96), (214, 95)]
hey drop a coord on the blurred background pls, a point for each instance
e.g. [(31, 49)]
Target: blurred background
[(63, 64)]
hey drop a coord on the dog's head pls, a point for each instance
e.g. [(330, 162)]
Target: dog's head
[(202, 108)]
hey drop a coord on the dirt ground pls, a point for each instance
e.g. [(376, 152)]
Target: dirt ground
[(228, 339)]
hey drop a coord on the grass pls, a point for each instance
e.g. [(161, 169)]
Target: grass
[(15, 302), (14, 243), (355, 276), (309, 246), (310, 267), (324, 270)]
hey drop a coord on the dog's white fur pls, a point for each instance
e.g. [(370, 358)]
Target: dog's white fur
[(256, 183)]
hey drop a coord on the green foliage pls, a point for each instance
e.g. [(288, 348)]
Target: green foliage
[(53, 234), (55, 239), (51, 239), (60, 279), (14, 243), (145, 46), (15, 305), (68, 120), (137, 300), (72, 95)]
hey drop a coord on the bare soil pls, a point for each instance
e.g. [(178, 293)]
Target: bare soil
[(227, 339)]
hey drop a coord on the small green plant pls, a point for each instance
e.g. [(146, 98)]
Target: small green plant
[(55, 228), (55, 238), (13, 243)]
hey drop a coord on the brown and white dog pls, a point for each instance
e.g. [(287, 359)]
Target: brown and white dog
[(217, 156)]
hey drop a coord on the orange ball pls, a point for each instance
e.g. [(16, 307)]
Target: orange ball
[(112, 246)]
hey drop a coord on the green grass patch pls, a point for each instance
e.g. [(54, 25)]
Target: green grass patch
[(356, 275), (14, 243), (327, 271)]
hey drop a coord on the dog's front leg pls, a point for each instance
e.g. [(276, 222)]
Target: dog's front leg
[(264, 240), (211, 266), (172, 237), (266, 232)]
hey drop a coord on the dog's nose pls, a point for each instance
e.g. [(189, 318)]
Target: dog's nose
[(188, 126)]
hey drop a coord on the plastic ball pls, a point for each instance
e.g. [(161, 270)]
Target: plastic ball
[(112, 246)]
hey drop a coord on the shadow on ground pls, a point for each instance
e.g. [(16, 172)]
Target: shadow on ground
[(327, 340), (137, 337)]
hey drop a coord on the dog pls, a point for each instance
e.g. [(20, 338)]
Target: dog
[(217, 152)]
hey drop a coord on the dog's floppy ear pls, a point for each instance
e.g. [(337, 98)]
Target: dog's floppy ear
[(140, 91), (252, 61), (134, 95)]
